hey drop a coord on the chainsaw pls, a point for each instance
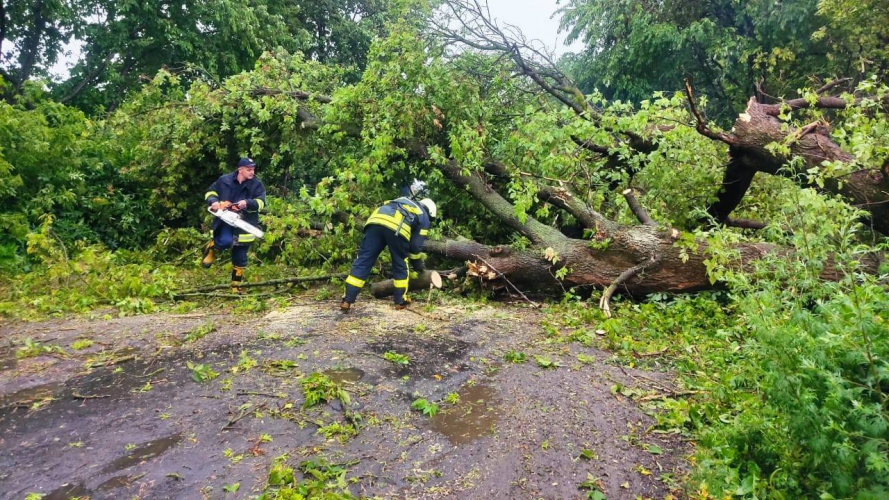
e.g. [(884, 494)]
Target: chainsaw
[(234, 219)]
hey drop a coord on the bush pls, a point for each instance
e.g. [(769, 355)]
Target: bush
[(791, 371)]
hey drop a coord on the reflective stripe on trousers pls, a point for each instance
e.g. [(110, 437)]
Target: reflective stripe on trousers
[(376, 238)]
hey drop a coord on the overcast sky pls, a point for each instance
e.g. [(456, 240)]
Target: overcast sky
[(533, 17)]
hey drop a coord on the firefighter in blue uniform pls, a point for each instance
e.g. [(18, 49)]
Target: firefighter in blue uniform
[(239, 191), (402, 225)]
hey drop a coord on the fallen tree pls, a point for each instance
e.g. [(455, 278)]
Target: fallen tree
[(420, 112), (749, 142), (749, 153), (637, 259)]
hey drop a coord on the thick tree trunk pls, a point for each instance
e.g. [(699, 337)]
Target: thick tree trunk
[(755, 129), (674, 271)]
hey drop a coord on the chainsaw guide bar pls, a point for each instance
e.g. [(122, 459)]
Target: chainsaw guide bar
[(235, 220)]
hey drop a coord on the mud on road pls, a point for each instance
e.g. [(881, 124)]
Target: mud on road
[(124, 418)]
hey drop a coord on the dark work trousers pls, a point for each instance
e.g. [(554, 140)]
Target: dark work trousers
[(376, 238), (225, 237)]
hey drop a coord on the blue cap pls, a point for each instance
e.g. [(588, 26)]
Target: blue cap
[(246, 162)]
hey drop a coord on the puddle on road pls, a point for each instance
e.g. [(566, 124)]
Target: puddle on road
[(349, 375), (30, 395), (145, 452), (68, 491), (473, 417), (118, 482)]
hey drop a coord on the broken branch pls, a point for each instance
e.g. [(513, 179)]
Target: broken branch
[(88, 396), (744, 223), (701, 126), (604, 302), (275, 282), (831, 85)]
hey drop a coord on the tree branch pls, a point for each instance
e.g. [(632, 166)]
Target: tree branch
[(701, 126), (87, 80), (295, 94), (604, 302), (496, 204), (637, 208), (589, 146), (744, 223), (276, 282), (386, 288), (563, 198), (828, 102), (831, 85)]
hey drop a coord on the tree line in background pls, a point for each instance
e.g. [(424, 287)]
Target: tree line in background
[(117, 45), (732, 49)]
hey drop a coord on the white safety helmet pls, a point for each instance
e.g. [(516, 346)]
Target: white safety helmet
[(430, 206)]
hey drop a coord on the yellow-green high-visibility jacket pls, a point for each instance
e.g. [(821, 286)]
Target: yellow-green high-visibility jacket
[(410, 220), (402, 215)]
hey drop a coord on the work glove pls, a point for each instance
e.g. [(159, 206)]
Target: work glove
[(224, 205), (418, 266), (413, 275)]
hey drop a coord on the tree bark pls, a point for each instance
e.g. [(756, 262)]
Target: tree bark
[(673, 271), (756, 128), (30, 46), (422, 282), (2, 25)]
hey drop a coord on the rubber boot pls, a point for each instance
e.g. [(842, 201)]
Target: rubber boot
[(209, 254), (237, 279)]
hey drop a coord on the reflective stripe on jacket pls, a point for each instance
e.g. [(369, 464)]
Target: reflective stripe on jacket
[(401, 215), (227, 188)]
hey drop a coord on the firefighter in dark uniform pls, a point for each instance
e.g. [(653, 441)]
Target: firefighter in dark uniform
[(239, 191), (402, 225)]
